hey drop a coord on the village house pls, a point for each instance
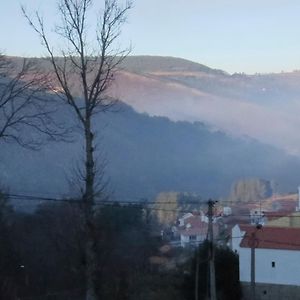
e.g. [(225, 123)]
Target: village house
[(277, 259), (193, 229)]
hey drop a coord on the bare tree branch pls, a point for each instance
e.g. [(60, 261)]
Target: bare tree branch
[(24, 105)]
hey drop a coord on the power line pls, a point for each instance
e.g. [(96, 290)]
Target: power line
[(41, 198), (148, 204), (139, 205)]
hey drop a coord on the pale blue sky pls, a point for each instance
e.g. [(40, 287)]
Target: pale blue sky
[(234, 35)]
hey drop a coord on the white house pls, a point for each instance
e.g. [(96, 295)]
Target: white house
[(193, 229), (277, 254)]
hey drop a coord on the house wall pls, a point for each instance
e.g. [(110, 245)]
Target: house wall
[(286, 270), (185, 240), (288, 221), (264, 291), (237, 235)]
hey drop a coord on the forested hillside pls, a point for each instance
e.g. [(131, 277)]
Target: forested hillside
[(146, 155)]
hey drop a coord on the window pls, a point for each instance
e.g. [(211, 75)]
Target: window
[(273, 264)]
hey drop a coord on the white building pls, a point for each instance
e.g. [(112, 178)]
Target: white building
[(277, 254), (193, 229)]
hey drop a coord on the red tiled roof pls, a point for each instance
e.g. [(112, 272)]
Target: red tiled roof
[(272, 215), (198, 227), (194, 221), (284, 238)]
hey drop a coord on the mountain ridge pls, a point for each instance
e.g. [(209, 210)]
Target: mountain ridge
[(262, 106)]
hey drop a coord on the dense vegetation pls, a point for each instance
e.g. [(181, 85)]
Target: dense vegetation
[(42, 257), (42, 254), (227, 274)]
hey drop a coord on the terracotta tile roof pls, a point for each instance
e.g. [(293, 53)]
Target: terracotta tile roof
[(194, 221), (284, 238), (274, 214), (195, 226)]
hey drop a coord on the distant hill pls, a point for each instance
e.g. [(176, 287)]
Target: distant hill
[(146, 155), (148, 64), (262, 106)]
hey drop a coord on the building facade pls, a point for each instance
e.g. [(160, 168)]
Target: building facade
[(277, 258)]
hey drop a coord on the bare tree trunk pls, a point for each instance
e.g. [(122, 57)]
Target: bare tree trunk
[(90, 247), (93, 71), (91, 258)]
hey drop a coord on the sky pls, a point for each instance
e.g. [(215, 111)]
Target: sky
[(251, 36)]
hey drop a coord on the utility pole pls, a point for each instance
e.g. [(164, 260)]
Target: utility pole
[(212, 275), (253, 243), (252, 265), (197, 275)]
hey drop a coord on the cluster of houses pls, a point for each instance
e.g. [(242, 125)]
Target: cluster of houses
[(271, 229)]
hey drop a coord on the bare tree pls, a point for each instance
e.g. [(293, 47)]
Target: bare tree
[(84, 71), (26, 113)]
